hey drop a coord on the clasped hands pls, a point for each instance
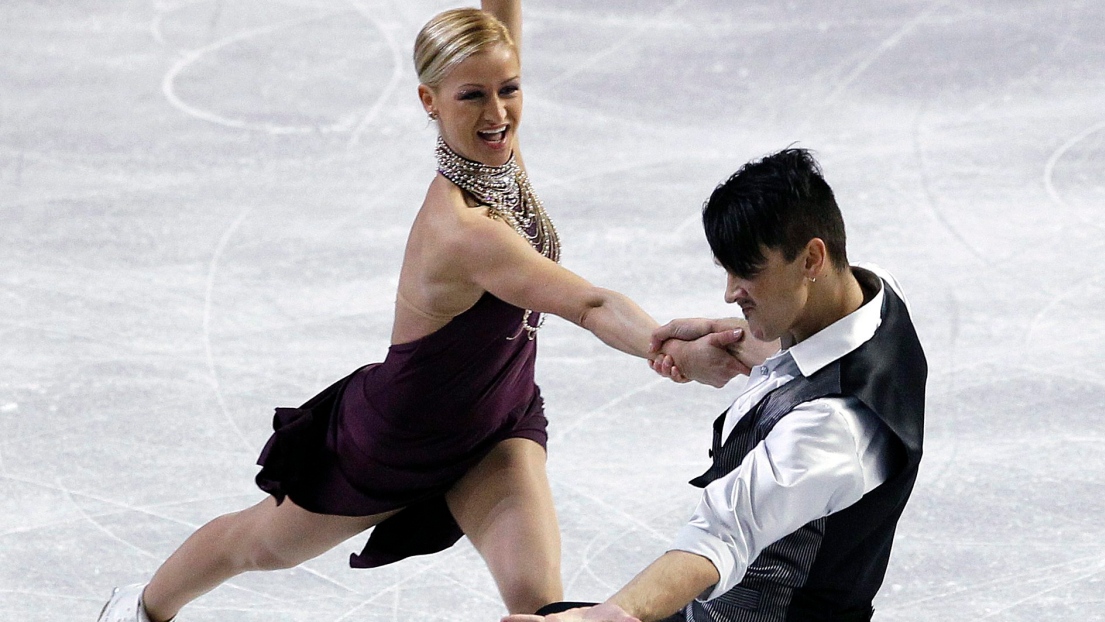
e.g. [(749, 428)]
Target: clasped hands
[(709, 351)]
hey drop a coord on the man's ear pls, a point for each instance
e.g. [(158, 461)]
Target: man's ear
[(817, 258)]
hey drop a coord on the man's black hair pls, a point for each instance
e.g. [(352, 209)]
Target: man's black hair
[(779, 202)]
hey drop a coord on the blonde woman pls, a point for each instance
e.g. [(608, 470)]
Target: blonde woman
[(445, 437)]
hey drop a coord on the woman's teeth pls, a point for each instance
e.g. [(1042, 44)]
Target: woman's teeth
[(494, 136)]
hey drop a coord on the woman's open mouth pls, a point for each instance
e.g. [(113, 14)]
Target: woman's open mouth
[(494, 137)]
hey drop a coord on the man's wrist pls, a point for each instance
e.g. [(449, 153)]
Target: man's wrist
[(666, 585)]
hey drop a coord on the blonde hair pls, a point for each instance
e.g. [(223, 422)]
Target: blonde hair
[(450, 37)]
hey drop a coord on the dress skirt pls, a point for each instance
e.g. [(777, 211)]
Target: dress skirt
[(400, 434)]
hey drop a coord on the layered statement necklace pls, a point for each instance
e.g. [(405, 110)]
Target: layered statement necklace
[(509, 197)]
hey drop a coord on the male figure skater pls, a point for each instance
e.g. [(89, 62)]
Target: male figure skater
[(815, 460)]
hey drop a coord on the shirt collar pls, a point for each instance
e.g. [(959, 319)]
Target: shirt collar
[(842, 336)]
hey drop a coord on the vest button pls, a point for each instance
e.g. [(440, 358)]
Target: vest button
[(710, 452)]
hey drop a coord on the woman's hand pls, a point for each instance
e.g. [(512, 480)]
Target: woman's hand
[(687, 329)]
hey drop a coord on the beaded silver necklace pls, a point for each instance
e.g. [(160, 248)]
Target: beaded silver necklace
[(507, 193)]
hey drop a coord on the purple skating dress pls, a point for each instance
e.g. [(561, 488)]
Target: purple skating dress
[(400, 433)]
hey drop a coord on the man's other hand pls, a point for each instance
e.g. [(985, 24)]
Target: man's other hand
[(605, 612)]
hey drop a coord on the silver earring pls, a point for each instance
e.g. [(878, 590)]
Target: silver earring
[(813, 280), (432, 115)]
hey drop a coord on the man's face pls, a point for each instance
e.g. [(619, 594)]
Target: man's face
[(774, 298)]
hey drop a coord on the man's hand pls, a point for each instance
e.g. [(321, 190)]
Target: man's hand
[(687, 329), (606, 612), (712, 352), (710, 359)]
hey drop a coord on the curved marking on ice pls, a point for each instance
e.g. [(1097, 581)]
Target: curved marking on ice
[(163, 9), (1053, 193), (610, 404), (167, 83), (1072, 290), (212, 269), (97, 524), (930, 198), (396, 73), (155, 30), (88, 518), (438, 560), (1049, 167), (590, 552)]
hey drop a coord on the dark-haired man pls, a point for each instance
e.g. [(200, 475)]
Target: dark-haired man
[(815, 460)]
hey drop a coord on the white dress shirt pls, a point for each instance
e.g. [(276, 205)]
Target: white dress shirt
[(817, 460)]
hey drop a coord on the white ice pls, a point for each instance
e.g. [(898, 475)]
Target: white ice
[(203, 206)]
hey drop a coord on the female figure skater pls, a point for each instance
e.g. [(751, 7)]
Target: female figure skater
[(446, 436)]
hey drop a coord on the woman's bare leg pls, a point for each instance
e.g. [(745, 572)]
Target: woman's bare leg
[(505, 507), (266, 536)]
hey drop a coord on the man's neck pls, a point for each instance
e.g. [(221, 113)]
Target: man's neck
[(831, 298)]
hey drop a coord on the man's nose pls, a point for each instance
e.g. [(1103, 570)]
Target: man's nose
[(733, 289)]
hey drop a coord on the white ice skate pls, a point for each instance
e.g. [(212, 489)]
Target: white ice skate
[(125, 605)]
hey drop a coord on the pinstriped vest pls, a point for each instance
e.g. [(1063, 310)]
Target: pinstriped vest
[(831, 568)]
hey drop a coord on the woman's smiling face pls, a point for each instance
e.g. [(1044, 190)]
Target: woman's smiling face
[(479, 105)]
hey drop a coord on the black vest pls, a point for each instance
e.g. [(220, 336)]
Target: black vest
[(831, 568)]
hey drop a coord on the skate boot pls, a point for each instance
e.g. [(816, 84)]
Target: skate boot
[(125, 605)]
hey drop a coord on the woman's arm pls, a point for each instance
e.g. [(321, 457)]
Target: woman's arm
[(492, 256), (509, 12)]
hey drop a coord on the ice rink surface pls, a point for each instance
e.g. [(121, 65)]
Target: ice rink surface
[(203, 207)]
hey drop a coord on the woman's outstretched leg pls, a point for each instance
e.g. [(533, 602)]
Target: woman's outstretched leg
[(505, 507), (266, 536)]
